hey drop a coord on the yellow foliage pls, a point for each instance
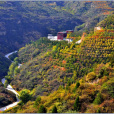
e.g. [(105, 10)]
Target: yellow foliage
[(91, 76), (69, 34)]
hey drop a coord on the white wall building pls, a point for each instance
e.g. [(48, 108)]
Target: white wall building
[(51, 37)]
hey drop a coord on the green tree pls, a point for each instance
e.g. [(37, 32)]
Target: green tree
[(16, 70), (112, 60), (74, 75), (16, 59), (77, 85), (54, 110), (37, 101), (98, 99), (8, 78), (98, 110), (6, 83), (42, 109), (77, 104), (25, 95), (12, 67)]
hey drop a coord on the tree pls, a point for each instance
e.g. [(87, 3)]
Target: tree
[(98, 110), (37, 101), (6, 83), (25, 95), (91, 76), (42, 109), (16, 70), (77, 104), (112, 60), (98, 99), (74, 75), (54, 110), (16, 59), (77, 85)]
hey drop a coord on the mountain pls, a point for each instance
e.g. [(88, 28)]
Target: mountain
[(73, 77), (41, 66), (70, 77), (22, 22)]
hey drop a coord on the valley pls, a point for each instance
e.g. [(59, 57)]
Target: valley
[(70, 73)]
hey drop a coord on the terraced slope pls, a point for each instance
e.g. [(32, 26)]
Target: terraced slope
[(98, 46)]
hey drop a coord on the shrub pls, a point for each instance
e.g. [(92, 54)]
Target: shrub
[(54, 110), (111, 58), (37, 101), (103, 71), (42, 109), (98, 99), (109, 87), (6, 83), (91, 76), (98, 110), (77, 104), (77, 85), (16, 70)]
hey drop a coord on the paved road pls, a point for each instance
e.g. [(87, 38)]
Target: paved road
[(9, 87), (7, 55)]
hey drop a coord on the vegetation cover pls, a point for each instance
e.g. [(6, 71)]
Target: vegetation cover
[(66, 77), (4, 65), (21, 22)]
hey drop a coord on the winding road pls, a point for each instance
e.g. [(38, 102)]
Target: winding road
[(9, 87)]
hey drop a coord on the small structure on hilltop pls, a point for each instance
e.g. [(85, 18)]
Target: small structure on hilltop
[(51, 37), (64, 35), (61, 36)]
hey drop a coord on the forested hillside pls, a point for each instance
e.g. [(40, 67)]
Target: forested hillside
[(91, 94), (57, 76), (21, 22), (4, 65)]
